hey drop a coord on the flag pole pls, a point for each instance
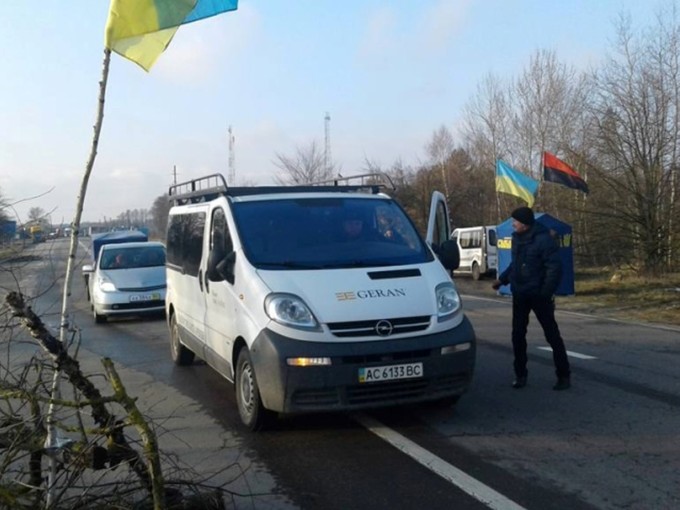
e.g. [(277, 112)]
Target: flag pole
[(498, 198)]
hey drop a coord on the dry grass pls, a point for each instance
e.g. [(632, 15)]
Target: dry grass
[(625, 295)]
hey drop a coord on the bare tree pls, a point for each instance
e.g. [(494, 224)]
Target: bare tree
[(439, 149), (636, 108), (36, 214), (547, 99), (306, 166), (159, 215), (487, 128), (544, 108), (487, 121)]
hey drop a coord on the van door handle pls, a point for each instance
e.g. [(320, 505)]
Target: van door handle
[(207, 285), (200, 279)]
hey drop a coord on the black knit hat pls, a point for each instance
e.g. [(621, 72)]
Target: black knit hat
[(524, 215)]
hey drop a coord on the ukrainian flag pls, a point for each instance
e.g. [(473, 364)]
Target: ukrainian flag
[(140, 30), (513, 182)]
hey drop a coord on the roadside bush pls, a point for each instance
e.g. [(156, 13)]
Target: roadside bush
[(70, 446)]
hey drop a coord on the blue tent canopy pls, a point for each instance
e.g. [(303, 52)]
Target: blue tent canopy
[(563, 233), (118, 236)]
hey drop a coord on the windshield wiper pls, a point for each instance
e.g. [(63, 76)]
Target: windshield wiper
[(291, 264), (365, 263)]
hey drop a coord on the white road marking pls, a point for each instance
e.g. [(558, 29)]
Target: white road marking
[(452, 474), (570, 353)]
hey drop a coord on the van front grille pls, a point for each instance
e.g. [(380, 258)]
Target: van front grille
[(379, 327), (374, 394), (401, 356), (380, 392)]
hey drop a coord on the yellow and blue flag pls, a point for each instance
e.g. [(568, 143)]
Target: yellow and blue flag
[(514, 182), (140, 30)]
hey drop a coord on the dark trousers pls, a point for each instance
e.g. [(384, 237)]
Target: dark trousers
[(544, 308)]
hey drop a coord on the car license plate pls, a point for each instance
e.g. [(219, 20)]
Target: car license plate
[(145, 297), (390, 372)]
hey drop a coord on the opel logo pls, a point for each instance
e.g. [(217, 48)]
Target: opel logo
[(384, 328)]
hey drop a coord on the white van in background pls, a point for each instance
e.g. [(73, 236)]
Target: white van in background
[(478, 251), (315, 297)]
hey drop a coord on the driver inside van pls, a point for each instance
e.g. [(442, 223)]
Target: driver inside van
[(352, 228)]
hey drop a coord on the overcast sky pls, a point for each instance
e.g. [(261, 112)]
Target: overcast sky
[(388, 73)]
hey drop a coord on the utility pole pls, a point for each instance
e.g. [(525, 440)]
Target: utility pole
[(174, 174), (327, 147), (232, 165)]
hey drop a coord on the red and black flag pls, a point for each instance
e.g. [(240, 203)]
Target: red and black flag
[(556, 170)]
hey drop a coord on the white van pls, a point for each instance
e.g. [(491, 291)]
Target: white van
[(478, 250), (281, 291)]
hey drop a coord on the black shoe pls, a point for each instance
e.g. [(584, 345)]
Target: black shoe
[(563, 383), (520, 382)]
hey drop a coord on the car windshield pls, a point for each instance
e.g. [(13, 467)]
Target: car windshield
[(128, 258), (316, 233)]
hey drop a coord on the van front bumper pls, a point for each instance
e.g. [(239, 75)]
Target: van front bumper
[(335, 387)]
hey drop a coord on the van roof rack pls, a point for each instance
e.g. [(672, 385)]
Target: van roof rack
[(202, 189), (209, 187), (370, 180)]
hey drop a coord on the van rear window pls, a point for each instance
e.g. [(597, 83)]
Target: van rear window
[(315, 233)]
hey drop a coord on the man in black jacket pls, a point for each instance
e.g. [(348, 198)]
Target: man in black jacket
[(534, 274)]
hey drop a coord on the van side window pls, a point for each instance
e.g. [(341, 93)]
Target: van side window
[(441, 226), (220, 237), (476, 239), (185, 241), (492, 237)]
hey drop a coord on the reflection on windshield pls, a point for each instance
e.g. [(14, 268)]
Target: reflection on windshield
[(313, 233)]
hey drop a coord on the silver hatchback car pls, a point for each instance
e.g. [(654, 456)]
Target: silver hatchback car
[(127, 279)]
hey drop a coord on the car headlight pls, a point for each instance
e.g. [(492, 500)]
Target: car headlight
[(448, 300), (107, 286), (289, 310)]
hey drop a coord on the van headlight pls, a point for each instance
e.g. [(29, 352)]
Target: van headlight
[(448, 301), (289, 310)]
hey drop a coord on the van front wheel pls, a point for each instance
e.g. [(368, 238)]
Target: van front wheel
[(476, 273), (181, 355), (250, 408)]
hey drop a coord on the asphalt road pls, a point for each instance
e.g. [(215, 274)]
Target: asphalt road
[(612, 441)]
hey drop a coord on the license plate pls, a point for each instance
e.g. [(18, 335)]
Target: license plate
[(390, 372), (145, 297)]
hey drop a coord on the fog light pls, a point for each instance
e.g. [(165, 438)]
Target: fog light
[(451, 349), (308, 362)]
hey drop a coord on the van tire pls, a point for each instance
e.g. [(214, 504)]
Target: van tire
[(181, 355), (250, 408), (476, 273)]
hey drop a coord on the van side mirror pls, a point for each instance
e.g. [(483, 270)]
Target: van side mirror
[(448, 254), (88, 268), (225, 267)]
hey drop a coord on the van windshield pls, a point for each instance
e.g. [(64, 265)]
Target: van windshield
[(334, 232)]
